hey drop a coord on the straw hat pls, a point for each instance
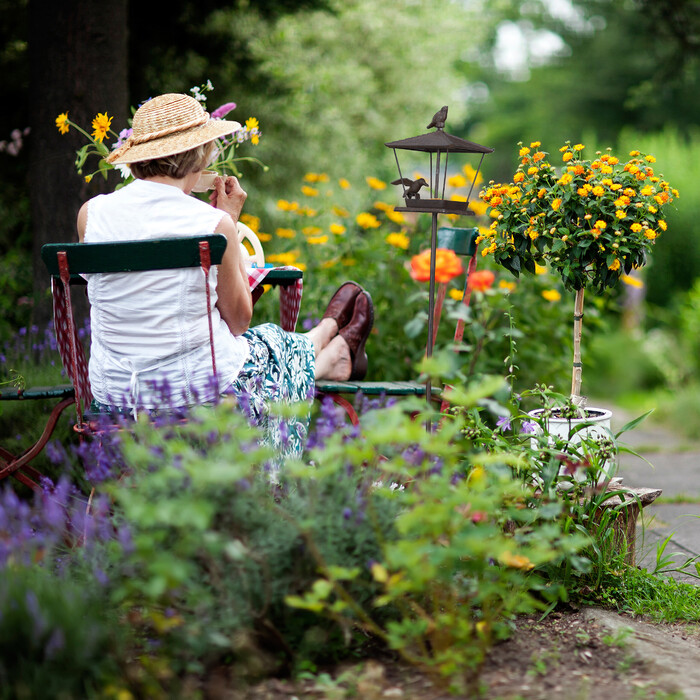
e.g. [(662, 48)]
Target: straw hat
[(169, 124)]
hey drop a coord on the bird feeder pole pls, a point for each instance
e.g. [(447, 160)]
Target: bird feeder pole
[(438, 142)]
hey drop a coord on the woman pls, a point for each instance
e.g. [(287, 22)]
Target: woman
[(150, 332)]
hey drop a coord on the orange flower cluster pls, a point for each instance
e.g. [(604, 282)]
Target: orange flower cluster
[(447, 265), (591, 220), (481, 280)]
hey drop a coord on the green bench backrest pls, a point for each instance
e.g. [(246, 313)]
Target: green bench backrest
[(133, 256), (461, 240)]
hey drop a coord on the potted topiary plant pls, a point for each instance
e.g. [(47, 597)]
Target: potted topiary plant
[(590, 221)]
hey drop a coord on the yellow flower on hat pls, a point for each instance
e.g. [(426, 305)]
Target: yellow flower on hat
[(100, 125), (62, 123)]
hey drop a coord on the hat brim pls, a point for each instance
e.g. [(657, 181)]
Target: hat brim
[(175, 143)]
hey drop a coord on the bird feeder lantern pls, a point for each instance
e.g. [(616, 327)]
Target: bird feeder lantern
[(440, 146)]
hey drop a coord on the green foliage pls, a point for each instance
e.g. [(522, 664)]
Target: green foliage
[(56, 637)]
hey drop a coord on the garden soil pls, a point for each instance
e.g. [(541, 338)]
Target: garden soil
[(585, 654)]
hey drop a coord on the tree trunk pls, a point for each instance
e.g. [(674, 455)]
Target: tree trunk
[(78, 64), (577, 366)]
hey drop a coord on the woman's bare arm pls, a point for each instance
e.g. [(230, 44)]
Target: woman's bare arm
[(82, 222), (235, 303)]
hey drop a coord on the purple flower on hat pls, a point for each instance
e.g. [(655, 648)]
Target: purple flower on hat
[(221, 112), (123, 136)]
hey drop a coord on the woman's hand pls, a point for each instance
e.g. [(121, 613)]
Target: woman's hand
[(228, 195)]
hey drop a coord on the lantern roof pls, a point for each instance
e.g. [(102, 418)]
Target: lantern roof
[(439, 140)]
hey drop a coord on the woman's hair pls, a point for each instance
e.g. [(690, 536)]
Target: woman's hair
[(178, 165)]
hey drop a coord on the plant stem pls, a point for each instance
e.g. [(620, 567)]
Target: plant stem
[(577, 368)]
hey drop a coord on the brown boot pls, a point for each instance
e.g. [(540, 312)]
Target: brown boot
[(356, 332), (342, 303)]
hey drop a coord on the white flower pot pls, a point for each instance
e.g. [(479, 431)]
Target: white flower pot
[(596, 426)]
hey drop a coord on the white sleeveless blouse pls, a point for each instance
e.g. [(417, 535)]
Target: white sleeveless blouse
[(149, 330)]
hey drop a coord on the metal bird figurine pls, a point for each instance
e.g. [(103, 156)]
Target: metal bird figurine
[(439, 119), (412, 186)]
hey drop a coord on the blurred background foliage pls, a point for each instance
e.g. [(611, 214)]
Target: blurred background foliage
[(332, 80)]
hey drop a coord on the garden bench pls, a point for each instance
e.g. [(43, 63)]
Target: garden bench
[(17, 465), (463, 242), (67, 262)]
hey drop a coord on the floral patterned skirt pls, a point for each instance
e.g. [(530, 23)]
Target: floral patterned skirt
[(280, 369)]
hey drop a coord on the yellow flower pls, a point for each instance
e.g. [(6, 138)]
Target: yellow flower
[(651, 235), (367, 220), (636, 227), (345, 184), (615, 265), (650, 159), (339, 211), (535, 144), (100, 125), (470, 174), (598, 190), (663, 225), (337, 229), (306, 211), (540, 270), (264, 237), (567, 156), (349, 262), (286, 232), (62, 123), (632, 281), (255, 139), (530, 171), (551, 295), (456, 294), (289, 258), (309, 191), (579, 147), (517, 561), (316, 177), (252, 123), (284, 205), (600, 224), (375, 183), (398, 240), (556, 203), (505, 284), (620, 214), (312, 230), (252, 221), (396, 216), (383, 206), (317, 240), (88, 178), (635, 153), (457, 181), (523, 151)]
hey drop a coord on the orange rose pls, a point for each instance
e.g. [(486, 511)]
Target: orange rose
[(481, 280), (447, 265)]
